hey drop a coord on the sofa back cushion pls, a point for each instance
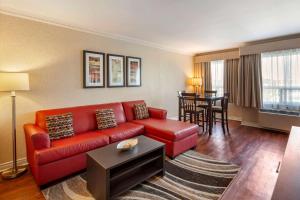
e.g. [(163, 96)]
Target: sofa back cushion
[(129, 109), (84, 117)]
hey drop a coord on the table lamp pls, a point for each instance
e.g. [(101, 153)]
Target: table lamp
[(12, 82), (196, 82)]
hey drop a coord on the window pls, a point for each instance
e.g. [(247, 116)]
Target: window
[(217, 75), (281, 80)]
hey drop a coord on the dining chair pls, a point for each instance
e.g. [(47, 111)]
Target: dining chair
[(186, 94), (223, 110), (210, 92), (180, 92), (190, 108)]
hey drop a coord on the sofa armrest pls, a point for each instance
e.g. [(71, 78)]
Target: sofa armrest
[(36, 137), (157, 113)]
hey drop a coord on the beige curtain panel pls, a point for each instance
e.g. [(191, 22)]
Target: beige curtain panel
[(202, 70), (231, 68), (249, 81), (207, 75)]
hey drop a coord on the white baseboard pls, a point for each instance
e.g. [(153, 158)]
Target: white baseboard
[(6, 165), (173, 117), (234, 118), (251, 124), (257, 125)]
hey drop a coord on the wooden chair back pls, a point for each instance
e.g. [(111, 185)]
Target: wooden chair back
[(180, 92), (226, 101), (210, 92), (188, 94), (189, 103)]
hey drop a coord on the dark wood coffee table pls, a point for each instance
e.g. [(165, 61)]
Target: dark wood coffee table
[(111, 172)]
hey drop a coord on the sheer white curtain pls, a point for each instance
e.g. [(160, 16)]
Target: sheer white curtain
[(217, 76), (281, 80)]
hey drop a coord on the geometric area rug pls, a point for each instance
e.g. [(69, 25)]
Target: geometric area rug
[(189, 176)]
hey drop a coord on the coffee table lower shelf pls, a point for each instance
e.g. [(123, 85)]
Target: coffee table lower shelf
[(121, 186)]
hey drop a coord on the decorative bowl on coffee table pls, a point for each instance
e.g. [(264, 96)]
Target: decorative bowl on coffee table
[(127, 144)]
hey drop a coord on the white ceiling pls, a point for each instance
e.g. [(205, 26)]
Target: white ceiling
[(186, 26)]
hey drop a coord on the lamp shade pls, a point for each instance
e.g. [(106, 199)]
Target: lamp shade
[(14, 81), (196, 81)]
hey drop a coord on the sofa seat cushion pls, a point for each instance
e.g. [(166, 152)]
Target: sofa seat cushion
[(67, 147), (172, 130), (123, 131)]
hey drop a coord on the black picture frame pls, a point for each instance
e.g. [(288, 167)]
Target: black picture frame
[(128, 84), (109, 74), (86, 69)]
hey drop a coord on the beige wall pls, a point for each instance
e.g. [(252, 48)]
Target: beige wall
[(53, 57)]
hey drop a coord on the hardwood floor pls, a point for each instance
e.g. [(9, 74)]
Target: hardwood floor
[(257, 151), (23, 188)]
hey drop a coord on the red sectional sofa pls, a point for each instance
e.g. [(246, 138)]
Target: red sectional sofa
[(51, 160)]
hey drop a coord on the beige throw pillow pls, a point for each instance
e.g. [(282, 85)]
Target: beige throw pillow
[(60, 126), (106, 118), (141, 111)]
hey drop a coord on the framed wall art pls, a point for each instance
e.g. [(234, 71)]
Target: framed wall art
[(115, 70), (93, 69), (133, 71)]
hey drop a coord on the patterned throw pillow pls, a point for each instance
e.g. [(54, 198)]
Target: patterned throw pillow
[(141, 111), (106, 118), (60, 126)]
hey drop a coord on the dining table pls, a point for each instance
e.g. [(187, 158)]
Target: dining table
[(206, 101)]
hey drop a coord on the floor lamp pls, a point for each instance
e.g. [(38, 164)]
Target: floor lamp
[(12, 82)]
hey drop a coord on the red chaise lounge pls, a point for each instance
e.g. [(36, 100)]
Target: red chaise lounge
[(51, 160)]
